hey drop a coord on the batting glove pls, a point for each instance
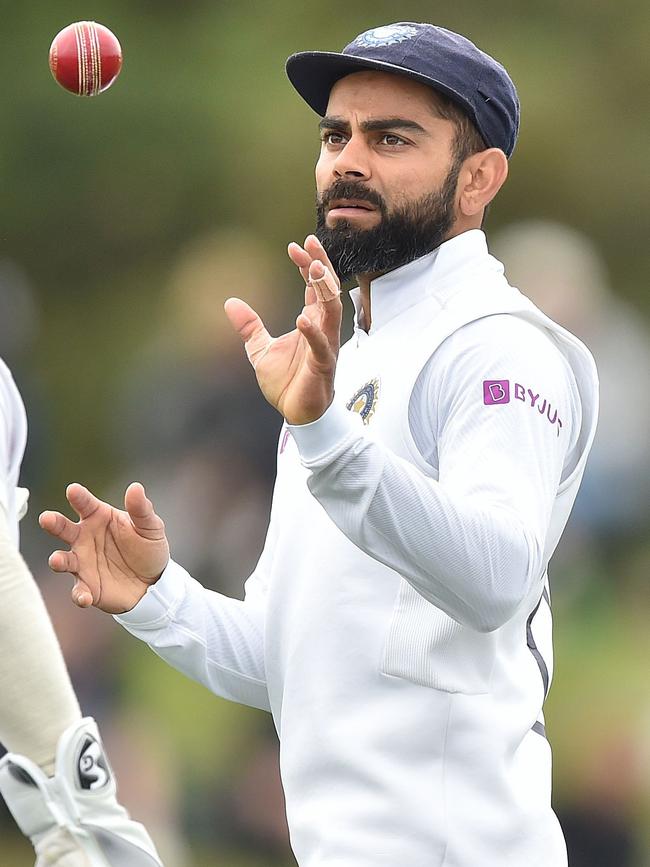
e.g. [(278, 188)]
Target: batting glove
[(73, 818)]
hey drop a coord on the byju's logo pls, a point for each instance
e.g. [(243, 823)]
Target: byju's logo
[(496, 391)]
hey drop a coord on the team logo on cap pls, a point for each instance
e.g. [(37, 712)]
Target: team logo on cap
[(365, 400), (388, 35)]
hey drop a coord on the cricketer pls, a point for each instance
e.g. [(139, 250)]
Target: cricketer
[(56, 779), (398, 623)]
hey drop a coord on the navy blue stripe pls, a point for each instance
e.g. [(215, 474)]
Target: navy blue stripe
[(539, 659), (539, 728)]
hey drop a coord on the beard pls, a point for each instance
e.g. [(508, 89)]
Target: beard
[(402, 235)]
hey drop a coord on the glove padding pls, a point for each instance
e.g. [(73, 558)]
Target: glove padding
[(73, 818)]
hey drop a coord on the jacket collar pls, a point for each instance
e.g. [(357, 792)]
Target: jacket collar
[(438, 274)]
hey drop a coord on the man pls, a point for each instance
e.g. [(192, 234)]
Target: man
[(56, 781), (398, 623)]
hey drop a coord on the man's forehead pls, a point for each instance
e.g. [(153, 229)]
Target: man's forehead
[(371, 91)]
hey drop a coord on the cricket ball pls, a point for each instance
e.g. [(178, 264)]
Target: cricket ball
[(85, 58)]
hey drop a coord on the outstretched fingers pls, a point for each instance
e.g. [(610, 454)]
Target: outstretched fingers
[(82, 500), (302, 260), (324, 282), (67, 531), (63, 561), (315, 249), (323, 289), (312, 251), (59, 526), (328, 297), (67, 561), (318, 341), (250, 327), (81, 594), (141, 512)]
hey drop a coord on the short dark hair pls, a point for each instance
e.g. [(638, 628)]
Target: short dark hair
[(468, 140)]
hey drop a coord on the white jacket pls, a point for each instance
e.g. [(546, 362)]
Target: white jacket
[(398, 623)]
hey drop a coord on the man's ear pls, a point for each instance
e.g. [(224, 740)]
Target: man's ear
[(482, 176)]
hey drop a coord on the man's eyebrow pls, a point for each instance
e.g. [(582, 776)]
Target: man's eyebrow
[(382, 123), (391, 123), (334, 123)]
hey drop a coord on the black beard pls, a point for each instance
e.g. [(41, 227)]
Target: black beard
[(402, 235)]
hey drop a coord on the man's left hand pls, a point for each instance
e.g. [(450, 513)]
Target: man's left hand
[(296, 371)]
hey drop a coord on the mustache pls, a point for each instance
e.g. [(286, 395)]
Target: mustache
[(403, 234), (351, 190)]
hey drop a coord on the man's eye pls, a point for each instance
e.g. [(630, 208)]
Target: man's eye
[(333, 138), (390, 139)]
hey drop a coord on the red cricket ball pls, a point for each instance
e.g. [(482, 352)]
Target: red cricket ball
[(85, 58)]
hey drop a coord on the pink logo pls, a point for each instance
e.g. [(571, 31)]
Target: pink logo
[(284, 439), (496, 391)]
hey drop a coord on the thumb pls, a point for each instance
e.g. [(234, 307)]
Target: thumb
[(141, 511), (251, 329)]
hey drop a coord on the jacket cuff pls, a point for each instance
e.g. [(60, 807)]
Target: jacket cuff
[(160, 601), (323, 440)]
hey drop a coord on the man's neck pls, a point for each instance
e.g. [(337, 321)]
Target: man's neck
[(364, 280)]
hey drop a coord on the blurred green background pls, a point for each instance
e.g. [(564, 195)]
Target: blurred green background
[(127, 219)]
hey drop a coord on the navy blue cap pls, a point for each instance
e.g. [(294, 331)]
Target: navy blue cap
[(440, 58)]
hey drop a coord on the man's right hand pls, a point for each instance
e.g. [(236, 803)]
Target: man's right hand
[(114, 555)]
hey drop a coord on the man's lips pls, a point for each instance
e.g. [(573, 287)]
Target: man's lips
[(349, 208)]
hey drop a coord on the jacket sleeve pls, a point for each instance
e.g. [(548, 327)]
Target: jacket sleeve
[(215, 640), (472, 541)]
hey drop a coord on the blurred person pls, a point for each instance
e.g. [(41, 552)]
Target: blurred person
[(398, 622), (599, 823), (56, 779), (600, 715), (188, 416), (258, 803), (18, 311), (196, 428), (564, 274)]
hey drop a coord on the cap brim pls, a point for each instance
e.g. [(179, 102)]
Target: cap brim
[(314, 74)]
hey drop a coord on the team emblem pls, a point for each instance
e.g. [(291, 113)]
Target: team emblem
[(389, 35), (365, 400)]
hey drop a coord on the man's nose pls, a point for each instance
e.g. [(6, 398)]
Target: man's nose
[(352, 161)]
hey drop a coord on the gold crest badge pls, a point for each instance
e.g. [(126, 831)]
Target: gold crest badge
[(364, 400)]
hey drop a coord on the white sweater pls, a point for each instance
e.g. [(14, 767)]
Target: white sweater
[(398, 623)]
